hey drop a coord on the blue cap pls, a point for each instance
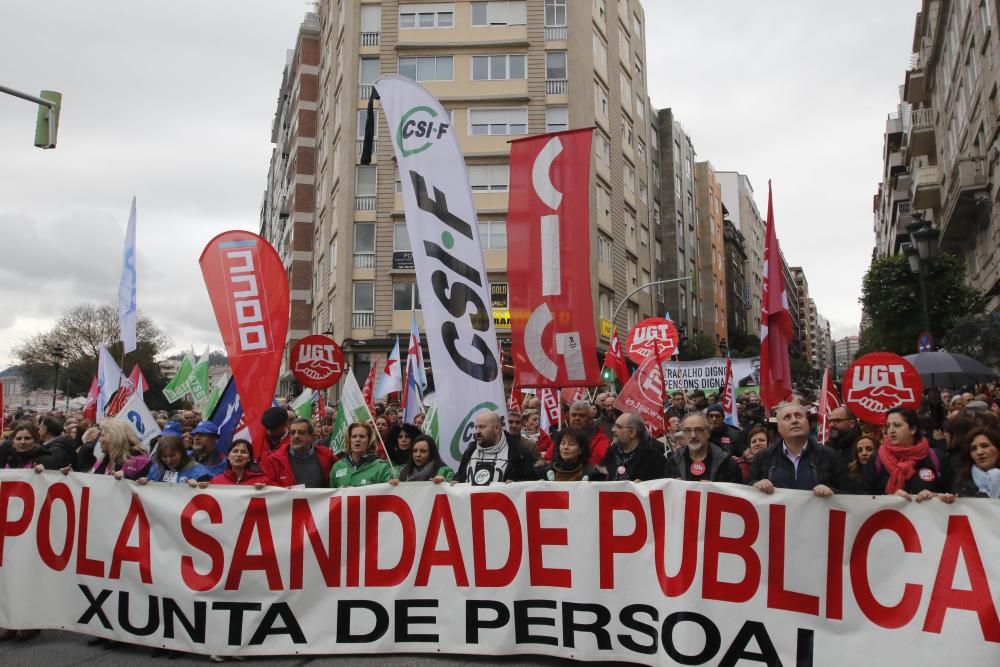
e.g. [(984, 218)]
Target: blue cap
[(206, 428), (173, 428)]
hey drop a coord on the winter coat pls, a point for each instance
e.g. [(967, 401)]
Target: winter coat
[(369, 470), (932, 473), (192, 470), (723, 467), (277, 466), (520, 468), (38, 455), (728, 438), (135, 466), (63, 450), (252, 475), (646, 465), (825, 465)]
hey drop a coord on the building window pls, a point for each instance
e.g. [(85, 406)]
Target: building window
[(603, 148), (631, 273), (400, 238), (636, 25), (623, 47), (405, 296), (638, 69), (556, 119), (555, 65), (600, 52), (426, 16), (629, 175), (363, 304), (600, 99), (555, 13), (499, 12), (368, 71), (627, 135), (489, 177), (599, 8), (605, 305), (427, 68), (364, 195), (640, 150), (630, 224), (644, 236), (625, 88), (643, 193), (495, 68), (984, 15), (371, 19), (603, 202), (493, 234), (364, 245), (604, 250), (362, 118), (498, 121), (640, 107)]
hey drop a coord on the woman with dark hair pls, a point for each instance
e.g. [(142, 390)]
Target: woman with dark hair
[(757, 441), (977, 468), (240, 468), (955, 430), (571, 457), (399, 441), (863, 449), (906, 465), (24, 450), (425, 463), (172, 463)]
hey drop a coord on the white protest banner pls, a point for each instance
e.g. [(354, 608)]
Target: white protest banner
[(660, 573), (708, 374), (451, 274), (139, 418)]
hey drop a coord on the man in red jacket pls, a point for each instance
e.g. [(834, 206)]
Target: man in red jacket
[(581, 416), (300, 462)]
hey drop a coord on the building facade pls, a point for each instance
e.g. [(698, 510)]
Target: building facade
[(287, 211), (737, 292), (711, 275), (503, 70), (738, 198), (844, 350)]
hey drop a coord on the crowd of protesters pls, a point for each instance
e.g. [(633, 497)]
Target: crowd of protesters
[(949, 448)]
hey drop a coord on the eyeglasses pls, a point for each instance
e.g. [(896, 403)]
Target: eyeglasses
[(690, 431)]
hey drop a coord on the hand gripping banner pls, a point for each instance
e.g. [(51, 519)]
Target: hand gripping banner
[(248, 287), (548, 261), (451, 274)]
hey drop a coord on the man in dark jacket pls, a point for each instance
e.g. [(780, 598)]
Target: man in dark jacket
[(844, 432), (631, 457), (797, 461), (60, 448), (491, 457), (701, 460), (722, 434)]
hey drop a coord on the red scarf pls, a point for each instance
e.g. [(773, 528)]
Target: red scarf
[(901, 461)]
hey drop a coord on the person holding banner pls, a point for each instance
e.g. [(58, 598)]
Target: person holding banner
[(906, 465), (571, 461), (24, 450), (240, 468), (425, 464), (702, 459), (172, 463), (631, 457), (301, 462), (275, 423), (491, 457), (798, 461), (119, 452), (359, 467), (204, 450)]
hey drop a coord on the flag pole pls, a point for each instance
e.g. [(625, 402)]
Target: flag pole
[(663, 387)]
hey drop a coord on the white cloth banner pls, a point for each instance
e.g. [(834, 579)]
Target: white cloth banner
[(451, 274), (708, 374), (127, 311), (139, 418), (665, 572)]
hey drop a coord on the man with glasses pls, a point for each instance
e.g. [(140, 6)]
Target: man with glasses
[(701, 460), (631, 456), (844, 432), (722, 434), (300, 462)]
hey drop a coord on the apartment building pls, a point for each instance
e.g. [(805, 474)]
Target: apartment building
[(287, 210), (711, 276), (503, 69), (738, 198), (844, 350), (737, 292), (943, 159)]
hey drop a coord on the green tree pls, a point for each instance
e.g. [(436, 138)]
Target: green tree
[(743, 345), (78, 334), (890, 296), (698, 346), (977, 336)]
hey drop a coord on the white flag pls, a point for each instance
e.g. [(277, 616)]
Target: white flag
[(139, 418), (451, 274), (351, 408), (126, 287), (109, 379)]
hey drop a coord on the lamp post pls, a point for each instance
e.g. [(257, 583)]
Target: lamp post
[(614, 315), (58, 353), (919, 250)]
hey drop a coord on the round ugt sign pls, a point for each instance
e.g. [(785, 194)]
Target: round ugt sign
[(654, 335), (317, 362), (878, 382)]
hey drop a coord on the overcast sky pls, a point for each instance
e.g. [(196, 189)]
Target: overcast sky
[(173, 102)]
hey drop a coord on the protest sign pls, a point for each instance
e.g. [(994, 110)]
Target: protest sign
[(708, 374), (878, 382)]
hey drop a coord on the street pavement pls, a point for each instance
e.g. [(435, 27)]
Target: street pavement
[(54, 648)]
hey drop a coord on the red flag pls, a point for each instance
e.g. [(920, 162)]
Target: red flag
[(548, 261), (828, 402), (775, 322), (516, 399), (615, 359), (369, 389), (90, 407), (248, 287), (643, 395), (138, 379), (550, 412)]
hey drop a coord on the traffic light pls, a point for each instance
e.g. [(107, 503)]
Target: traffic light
[(607, 375), (47, 123)]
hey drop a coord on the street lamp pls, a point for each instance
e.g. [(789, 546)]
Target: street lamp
[(58, 352), (919, 250)]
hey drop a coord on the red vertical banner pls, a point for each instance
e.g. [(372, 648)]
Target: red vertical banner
[(248, 287), (548, 261)]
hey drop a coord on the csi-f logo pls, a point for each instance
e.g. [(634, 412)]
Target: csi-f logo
[(252, 330), (418, 129)]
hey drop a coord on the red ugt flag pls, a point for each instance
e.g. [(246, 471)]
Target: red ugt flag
[(615, 359), (90, 407), (775, 322)]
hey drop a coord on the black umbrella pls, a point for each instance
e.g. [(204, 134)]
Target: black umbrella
[(949, 369)]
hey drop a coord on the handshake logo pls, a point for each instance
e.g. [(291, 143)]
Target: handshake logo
[(879, 388), (317, 362)]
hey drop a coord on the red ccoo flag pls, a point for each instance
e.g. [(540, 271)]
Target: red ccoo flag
[(90, 408), (614, 358), (775, 322)]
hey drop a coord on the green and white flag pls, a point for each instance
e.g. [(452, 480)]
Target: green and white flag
[(198, 381), (213, 398), (303, 404), (177, 388), (351, 408)]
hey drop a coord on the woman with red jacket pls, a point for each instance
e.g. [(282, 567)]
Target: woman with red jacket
[(240, 468)]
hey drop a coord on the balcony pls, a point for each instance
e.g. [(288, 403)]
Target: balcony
[(362, 320), (921, 134), (915, 85), (926, 189), (364, 203), (556, 33), (555, 86), (967, 201), (364, 91), (364, 260), (369, 39)]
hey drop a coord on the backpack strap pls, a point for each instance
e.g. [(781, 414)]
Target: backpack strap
[(933, 455)]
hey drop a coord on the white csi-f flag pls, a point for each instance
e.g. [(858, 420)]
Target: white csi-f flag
[(109, 379), (138, 416), (451, 274), (127, 311)]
